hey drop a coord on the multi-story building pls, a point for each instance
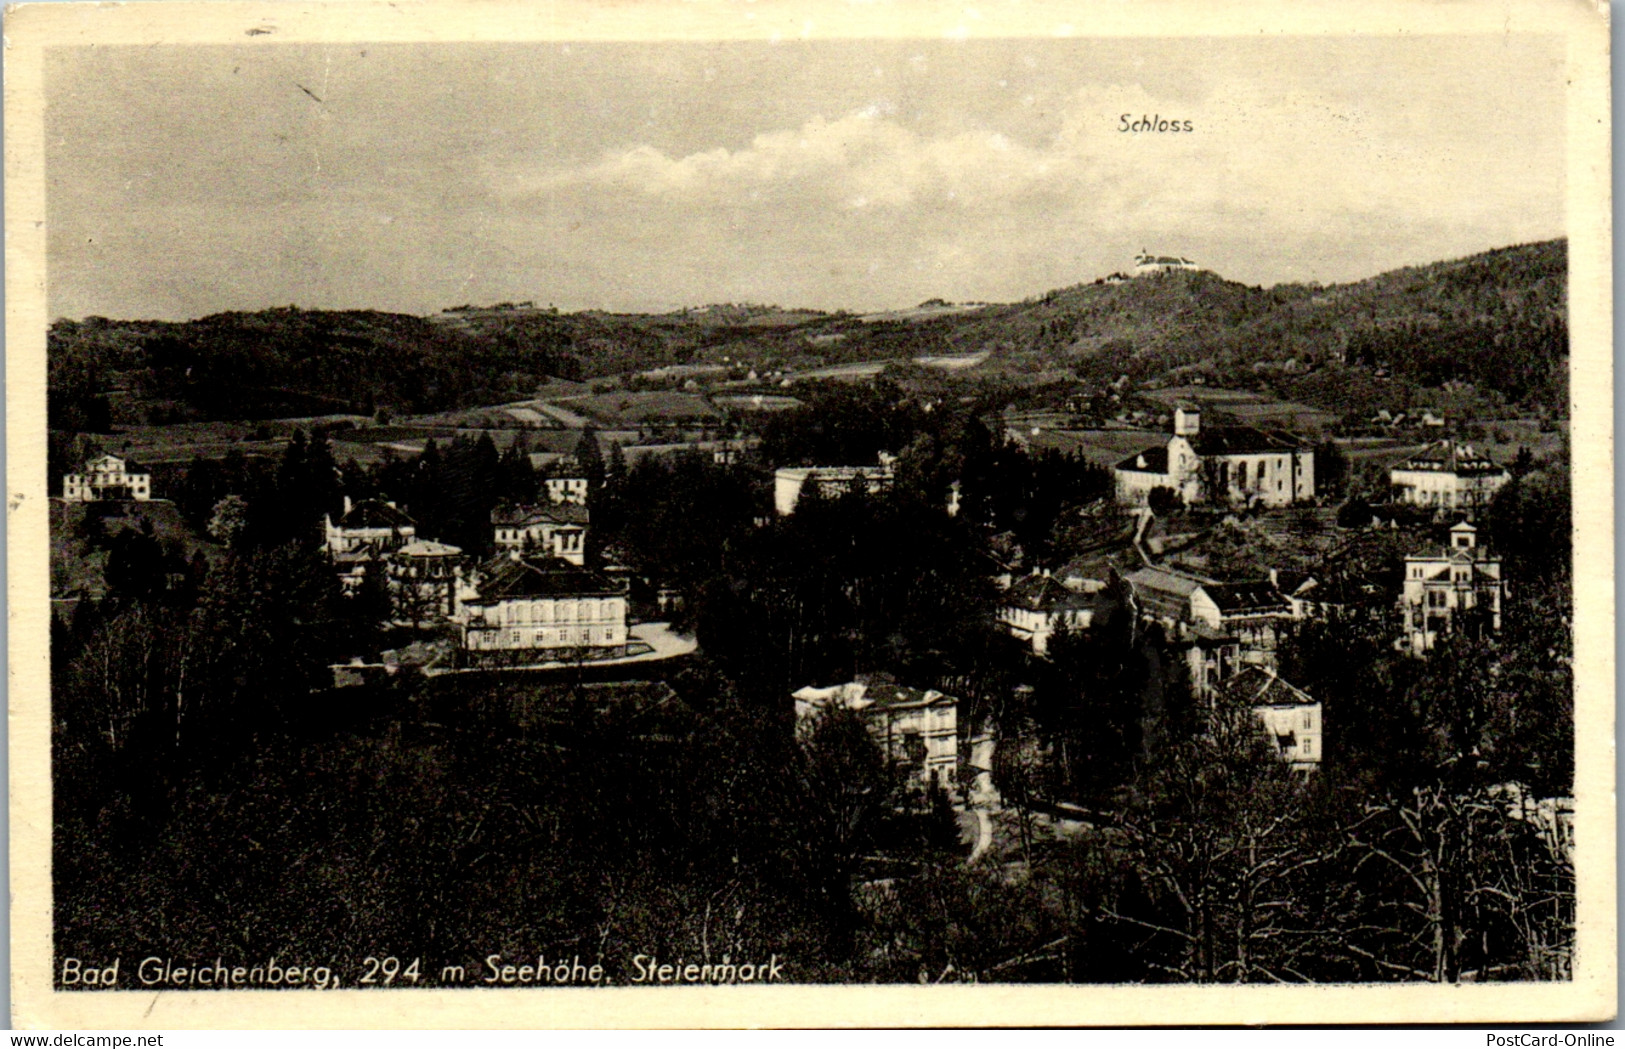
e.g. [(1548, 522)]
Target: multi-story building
[(567, 490), (557, 530), (1036, 607), (916, 728), (375, 526), (1447, 476), (1454, 589), (1290, 716), (107, 477), (831, 481), (521, 609), (1227, 465), (426, 581)]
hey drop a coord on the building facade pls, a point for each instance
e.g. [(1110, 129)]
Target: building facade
[(558, 530), (1447, 476), (1456, 589), (916, 728), (831, 481), (526, 610), (1036, 607), (1227, 465), (374, 526), (1290, 716), (426, 581), (107, 477)]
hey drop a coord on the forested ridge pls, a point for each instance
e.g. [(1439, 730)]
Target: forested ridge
[(1496, 321)]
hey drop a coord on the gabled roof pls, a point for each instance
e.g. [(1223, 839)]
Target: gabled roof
[(375, 513), (1152, 460), (1449, 457), (1040, 593), (516, 579), (1241, 440), (867, 693), (428, 548), (551, 513), (1162, 581), (1259, 596), (1258, 687)]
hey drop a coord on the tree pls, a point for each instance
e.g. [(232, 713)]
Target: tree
[(228, 521), (1164, 501), (845, 784), (1331, 470)]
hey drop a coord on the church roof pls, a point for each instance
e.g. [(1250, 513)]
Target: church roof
[(1241, 440), (1259, 596), (1152, 460)]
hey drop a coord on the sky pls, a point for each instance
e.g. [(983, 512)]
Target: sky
[(829, 174)]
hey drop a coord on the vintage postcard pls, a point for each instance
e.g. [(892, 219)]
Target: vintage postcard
[(809, 514)]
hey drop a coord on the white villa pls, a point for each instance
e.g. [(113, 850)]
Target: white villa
[(1290, 716), (530, 611), (1448, 476), (1452, 589), (557, 530), (106, 478)]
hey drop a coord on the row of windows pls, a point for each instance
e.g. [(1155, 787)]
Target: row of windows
[(555, 638), (567, 611)]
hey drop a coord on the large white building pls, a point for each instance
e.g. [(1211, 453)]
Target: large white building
[(832, 481), (1236, 465), (106, 478), (1454, 589), (1447, 476), (527, 611)]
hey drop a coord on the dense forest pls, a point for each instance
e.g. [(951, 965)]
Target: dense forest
[(1496, 322)]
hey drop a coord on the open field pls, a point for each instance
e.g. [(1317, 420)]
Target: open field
[(1248, 408)]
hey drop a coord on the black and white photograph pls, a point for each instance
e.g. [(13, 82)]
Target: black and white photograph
[(711, 509)]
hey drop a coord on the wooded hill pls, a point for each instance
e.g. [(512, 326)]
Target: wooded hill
[(1496, 321)]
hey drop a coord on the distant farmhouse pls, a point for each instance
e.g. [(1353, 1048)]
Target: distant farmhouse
[(1447, 476), (106, 478), (1235, 465), (1151, 265), (1456, 589), (918, 728)]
